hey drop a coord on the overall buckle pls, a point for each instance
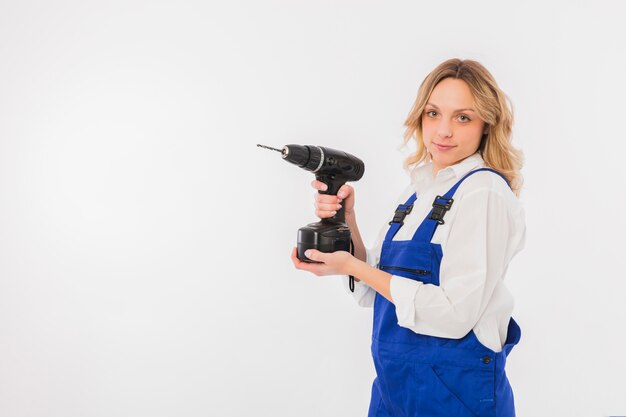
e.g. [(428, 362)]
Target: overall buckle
[(440, 206), (401, 213)]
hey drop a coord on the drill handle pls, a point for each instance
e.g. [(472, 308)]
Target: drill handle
[(334, 184)]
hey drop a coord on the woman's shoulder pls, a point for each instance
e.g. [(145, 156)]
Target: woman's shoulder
[(488, 183), (488, 192)]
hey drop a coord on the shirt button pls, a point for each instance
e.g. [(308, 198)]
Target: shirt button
[(486, 360)]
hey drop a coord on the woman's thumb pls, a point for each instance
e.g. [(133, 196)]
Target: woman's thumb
[(313, 255)]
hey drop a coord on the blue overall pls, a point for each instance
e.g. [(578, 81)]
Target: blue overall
[(427, 376)]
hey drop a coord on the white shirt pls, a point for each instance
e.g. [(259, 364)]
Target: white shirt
[(483, 231)]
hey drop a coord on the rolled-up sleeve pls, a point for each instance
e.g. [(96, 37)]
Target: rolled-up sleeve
[(475, 258)]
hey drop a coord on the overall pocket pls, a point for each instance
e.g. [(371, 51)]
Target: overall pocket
[(418, 274), (460, 391), (410, 259)]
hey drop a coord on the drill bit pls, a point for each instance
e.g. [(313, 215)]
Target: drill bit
[(267, 147)]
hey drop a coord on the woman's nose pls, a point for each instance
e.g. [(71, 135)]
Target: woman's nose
[(444, 130)]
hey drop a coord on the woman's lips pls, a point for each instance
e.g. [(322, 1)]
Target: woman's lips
[(443, 147)]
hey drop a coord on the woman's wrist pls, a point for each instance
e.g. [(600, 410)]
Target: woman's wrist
[(353, 266)]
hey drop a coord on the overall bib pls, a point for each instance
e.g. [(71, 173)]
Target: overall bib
[(427, 376)]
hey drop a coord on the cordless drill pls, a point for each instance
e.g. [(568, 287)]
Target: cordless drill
[(334, 168)]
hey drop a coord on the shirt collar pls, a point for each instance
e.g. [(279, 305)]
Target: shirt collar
[(422, 175), (467, 165)]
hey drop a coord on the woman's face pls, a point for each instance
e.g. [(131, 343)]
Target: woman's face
[(451, 127)]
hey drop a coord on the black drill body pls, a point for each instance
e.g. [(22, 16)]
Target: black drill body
[(334, 168)]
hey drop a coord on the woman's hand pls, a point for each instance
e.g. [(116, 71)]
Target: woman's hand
[(336, 263), (327, 205), (339, 262)]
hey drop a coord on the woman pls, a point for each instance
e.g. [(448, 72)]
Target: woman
[(442, 314)]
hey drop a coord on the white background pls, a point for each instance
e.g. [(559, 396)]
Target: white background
[(145, 239)]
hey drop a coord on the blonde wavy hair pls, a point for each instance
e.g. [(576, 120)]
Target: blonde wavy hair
[(492, 105)]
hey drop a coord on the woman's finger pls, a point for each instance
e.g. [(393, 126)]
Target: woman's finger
[(325, 198), (324, 214), (318, 185), (297, 262), (327, 207), (294, 257), (344, 191)]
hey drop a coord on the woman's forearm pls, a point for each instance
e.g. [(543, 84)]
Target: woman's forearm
[(379, 280), (362, 271), (357, 240)]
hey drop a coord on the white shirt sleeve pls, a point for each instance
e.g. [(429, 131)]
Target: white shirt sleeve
[(480, 244)]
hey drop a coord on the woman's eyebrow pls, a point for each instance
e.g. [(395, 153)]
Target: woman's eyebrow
[(435, 106)]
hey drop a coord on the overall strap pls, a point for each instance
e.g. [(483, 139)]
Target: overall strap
[(398, 218), (442, 204)]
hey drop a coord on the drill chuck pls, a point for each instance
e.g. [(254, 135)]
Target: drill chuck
[(310, 158)]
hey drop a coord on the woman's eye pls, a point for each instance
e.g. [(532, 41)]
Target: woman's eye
[(464, 118), (431, 113)]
